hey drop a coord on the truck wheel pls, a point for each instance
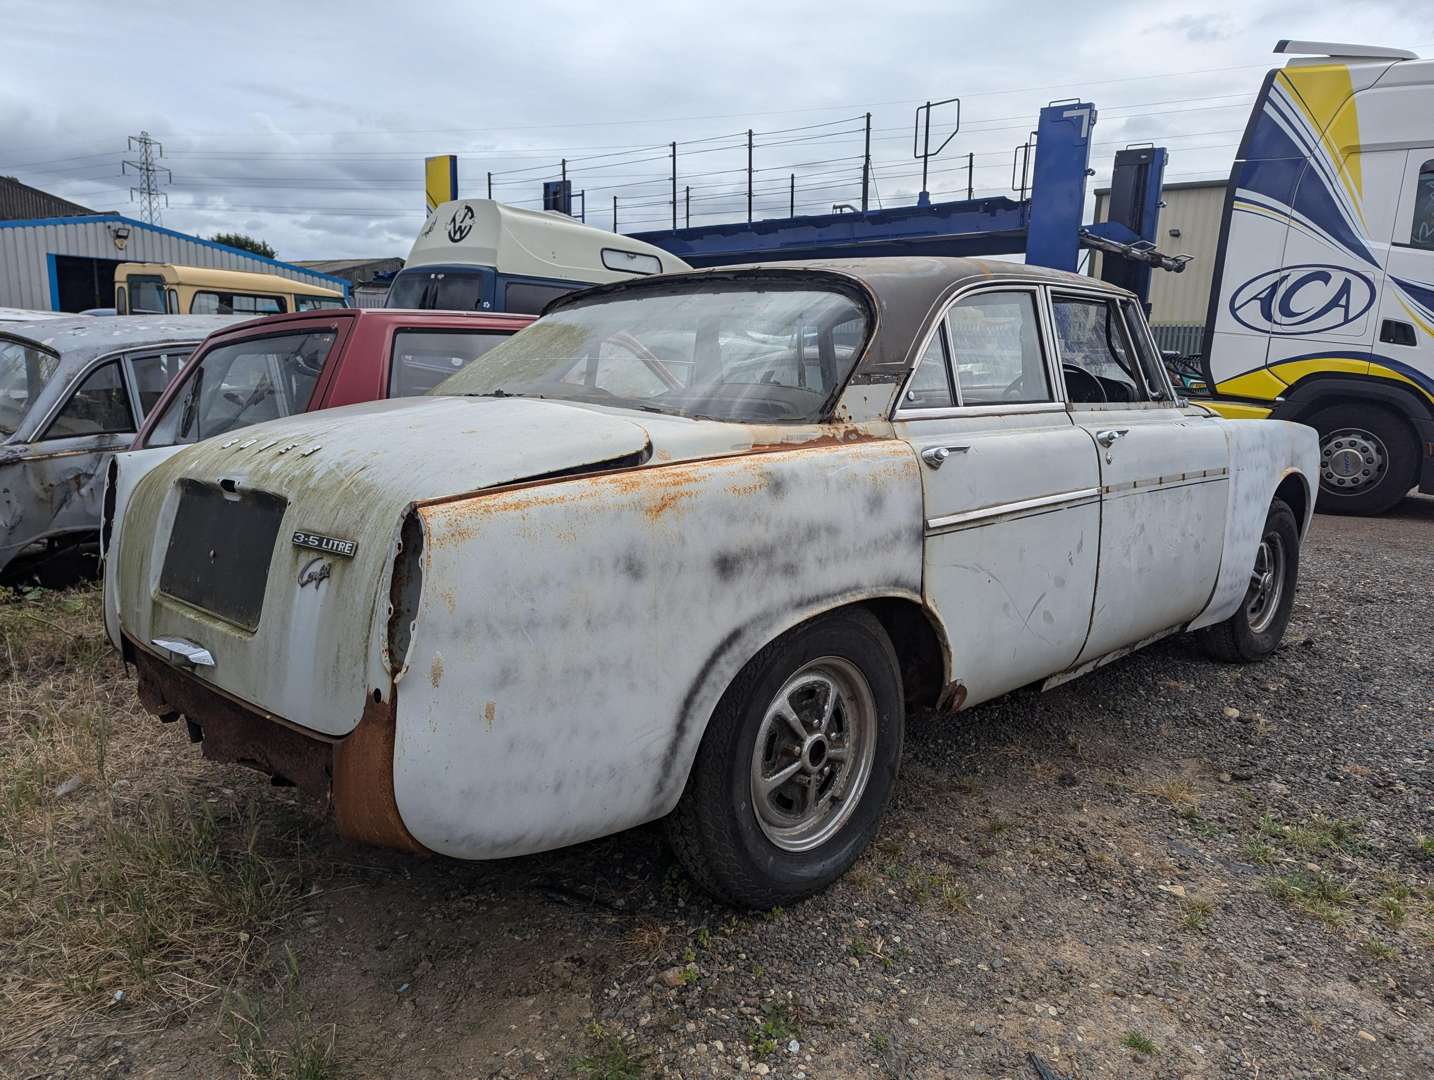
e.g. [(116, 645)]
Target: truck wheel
[(1255, 630), (796, 766), (1369, 459)]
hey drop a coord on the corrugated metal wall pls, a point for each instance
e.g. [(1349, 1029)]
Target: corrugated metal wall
[(25, 272), (370, 296), (1181, 299)]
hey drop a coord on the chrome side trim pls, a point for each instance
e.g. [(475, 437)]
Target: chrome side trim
[(1007, 511), (1162, 483), (954, 412)]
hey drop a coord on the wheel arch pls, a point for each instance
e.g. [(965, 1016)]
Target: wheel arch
[(914, 630), (1294, 489), (1319, 391)]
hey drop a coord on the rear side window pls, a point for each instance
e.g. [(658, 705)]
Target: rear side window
[(1421, 230), (424, 358), (631, 262), (99, 406), (245, 383), (1095, 353), (526, 298), (152, 374), (930, 386), (228, 303), (996, 350), (314, 303)]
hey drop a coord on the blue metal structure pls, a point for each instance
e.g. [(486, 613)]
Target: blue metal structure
[(1046, 226)]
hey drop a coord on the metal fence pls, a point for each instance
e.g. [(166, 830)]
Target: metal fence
[(1187, 339)]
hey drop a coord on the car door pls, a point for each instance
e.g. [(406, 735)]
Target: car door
[(1406, 325), (65, 464), (1012, 492), (1164, 473)]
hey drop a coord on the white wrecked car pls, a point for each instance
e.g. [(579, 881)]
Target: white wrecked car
[(691, 547)]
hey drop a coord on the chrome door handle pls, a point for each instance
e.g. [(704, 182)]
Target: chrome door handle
[(934, 456), (188, 651), (1108, 438)]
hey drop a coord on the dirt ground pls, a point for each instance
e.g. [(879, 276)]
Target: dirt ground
[(1168, 868)]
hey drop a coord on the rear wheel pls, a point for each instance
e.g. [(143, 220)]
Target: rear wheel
[(1369, 459), (796, 766), (1254, 631)]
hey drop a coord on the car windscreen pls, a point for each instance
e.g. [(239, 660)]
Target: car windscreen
[(24, 371), (244, 382), (441, 290), (748, 350), (407, 290)]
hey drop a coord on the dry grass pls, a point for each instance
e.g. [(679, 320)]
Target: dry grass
[(1177, 791), (124, 890)]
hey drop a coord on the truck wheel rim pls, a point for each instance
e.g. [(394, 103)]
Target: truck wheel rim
[(1351, 461), (1267, 583), (814, 754)]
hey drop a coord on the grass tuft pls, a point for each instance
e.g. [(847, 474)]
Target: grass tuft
[(1315, 893), (611, 1056), (1195, 912), (1140, 1043)]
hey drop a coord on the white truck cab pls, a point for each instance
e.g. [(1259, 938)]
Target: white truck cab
[(1322, 307), (481, 255)]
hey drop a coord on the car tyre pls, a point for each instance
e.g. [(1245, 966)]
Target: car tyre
[(755, 842), (1254, 631), (1369, 459)]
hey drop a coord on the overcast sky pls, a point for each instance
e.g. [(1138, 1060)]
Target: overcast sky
[(305, 124)]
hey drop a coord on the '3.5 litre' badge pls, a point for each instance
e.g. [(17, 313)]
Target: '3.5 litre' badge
[(330, 545)]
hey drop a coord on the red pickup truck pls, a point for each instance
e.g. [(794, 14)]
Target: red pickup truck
[(284, 364)]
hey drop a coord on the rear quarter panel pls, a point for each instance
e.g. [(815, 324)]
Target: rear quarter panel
[(573, 638), (1262, 454)]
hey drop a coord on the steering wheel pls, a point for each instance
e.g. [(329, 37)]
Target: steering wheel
[(1016, 388), (258, 394), (1081, 375)]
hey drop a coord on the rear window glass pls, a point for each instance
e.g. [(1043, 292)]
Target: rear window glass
[(242, 383), (424, 358), (760, 348)]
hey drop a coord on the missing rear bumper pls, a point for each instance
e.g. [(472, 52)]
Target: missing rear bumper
[(353, 775)]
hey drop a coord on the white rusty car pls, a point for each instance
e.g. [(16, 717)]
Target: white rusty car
[(691, 547)]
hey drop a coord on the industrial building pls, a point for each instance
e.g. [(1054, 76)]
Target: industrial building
[(1189, 225), (369, 278), (56, 255)]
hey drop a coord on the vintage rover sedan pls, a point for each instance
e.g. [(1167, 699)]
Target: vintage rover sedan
[(691, 547)]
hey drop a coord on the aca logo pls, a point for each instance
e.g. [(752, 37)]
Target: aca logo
[(460, 224), (1305, 299)]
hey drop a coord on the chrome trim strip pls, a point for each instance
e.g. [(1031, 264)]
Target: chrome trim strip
[(1163, 483), (954, 412), (1042, 504)]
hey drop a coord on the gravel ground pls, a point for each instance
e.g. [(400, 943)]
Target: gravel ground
[(1168, 868)]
